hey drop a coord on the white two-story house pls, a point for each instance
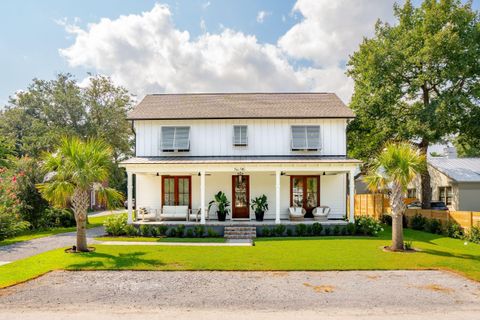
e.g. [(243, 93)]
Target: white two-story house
[(289, 146)]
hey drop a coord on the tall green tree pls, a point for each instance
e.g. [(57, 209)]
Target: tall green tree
[(74, 169), (417, 80), (394, 168)]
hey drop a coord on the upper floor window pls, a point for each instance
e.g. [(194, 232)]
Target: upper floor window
[(445, 195), (175, 139), (305, 138), (240, 137)]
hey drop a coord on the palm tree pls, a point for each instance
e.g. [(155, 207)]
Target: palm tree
[(74, 169), (394, 168)]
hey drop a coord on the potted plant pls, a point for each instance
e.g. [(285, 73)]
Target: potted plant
[(221, 202), (259, 205)]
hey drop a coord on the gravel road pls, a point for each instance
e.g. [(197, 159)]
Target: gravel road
[(240, 295)]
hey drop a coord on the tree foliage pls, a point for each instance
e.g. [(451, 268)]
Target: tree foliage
[(417, 80)]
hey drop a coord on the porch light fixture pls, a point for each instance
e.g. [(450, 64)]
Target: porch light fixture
[(158, 175), (323, 172), (282, 173)]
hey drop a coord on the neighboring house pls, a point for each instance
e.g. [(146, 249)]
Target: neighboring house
[(455, 181), (289, 146)]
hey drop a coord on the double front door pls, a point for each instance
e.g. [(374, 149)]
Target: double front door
[(305, 193)]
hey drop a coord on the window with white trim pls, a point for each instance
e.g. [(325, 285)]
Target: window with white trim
[(175, 139), (445, 194), (240, 136), (306, 138)]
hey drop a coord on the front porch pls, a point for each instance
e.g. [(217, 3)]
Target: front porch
[(299, 182)]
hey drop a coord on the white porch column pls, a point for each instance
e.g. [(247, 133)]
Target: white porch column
[(130, 196), (277, 196), (202, 197), (351, 177)]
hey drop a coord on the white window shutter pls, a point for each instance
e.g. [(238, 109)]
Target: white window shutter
[(175, 138), (313, 137), (168, 137), (306, 138), (299, 138)]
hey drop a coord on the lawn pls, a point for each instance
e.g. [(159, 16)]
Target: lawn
[(150, 239), (323, 253), (34, 234)]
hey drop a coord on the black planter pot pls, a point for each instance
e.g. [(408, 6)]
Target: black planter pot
[(259, 215), (221, 216)]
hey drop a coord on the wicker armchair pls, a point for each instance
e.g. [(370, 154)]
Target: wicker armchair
[(321, 213), (297, 213)]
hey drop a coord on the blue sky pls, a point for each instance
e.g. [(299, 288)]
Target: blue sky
[(34, 31)]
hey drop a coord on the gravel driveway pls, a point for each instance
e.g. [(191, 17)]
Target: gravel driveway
[(240, 295)]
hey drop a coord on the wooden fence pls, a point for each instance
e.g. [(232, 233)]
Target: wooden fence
[(374, 205), (466, 219)]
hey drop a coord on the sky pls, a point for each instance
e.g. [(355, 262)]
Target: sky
[(171, 46)]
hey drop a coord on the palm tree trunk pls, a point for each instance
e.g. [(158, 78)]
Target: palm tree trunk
[(80, 201), (425, 179), (397, 205)]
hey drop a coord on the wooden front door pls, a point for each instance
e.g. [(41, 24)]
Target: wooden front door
[(241, 196), (305, 193), (177, 191)]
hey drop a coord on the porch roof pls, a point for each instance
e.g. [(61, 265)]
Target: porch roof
[(239, 159)]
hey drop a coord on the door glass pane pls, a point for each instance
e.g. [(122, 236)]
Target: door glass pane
[(183, 192), (169, 192), (312, 192), (297, 192), (241, 200)]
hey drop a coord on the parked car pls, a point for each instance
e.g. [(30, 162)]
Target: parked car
[(438, 205), (434, 205), (414, 205), (125, 204)]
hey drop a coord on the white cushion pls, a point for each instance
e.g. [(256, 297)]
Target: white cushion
[(168, 209), (298, 210)]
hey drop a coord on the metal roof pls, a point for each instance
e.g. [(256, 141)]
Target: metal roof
[(240, 106), (458, 169), (239, 159)]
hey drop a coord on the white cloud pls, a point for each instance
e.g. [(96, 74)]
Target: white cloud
[(146, 52), (331, 30), (203, 25), (261, 15), (205, 5)]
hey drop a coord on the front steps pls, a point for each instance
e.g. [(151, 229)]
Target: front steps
[(232, 233)]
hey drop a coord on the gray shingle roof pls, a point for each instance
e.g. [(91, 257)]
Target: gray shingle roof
[(460, 169), (240, 106)]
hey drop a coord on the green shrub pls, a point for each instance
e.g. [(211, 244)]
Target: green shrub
[(154, 231), (343, 231), (145, 230), (336, 230), (289, 232), (265, 232), (211, 233), (408, 245), (190, 233), (386, 219), (115, 225), (162, 230), (130, 230), (367, 226), (54, 218), (328, 230), (279, 230), (10, 225), (453, 230), (473, 235), (309, 230), (417, 222), (172, 232), (180, 230), (301, 230), (199, 231), (317, 228), (433, 226), (351, 229)]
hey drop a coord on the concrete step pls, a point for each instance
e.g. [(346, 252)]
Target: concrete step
[(239, 237), (241, 228), (240, 232)]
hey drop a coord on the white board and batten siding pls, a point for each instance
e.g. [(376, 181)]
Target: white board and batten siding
[(265, 137)]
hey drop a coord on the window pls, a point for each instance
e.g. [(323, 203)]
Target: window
[(176, 191), (305, 138), (175, 139), (411, 193), (240, 137), (445, 194)]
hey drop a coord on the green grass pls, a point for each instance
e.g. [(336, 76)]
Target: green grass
[(150, 239), (35, 234), (323, 253)]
